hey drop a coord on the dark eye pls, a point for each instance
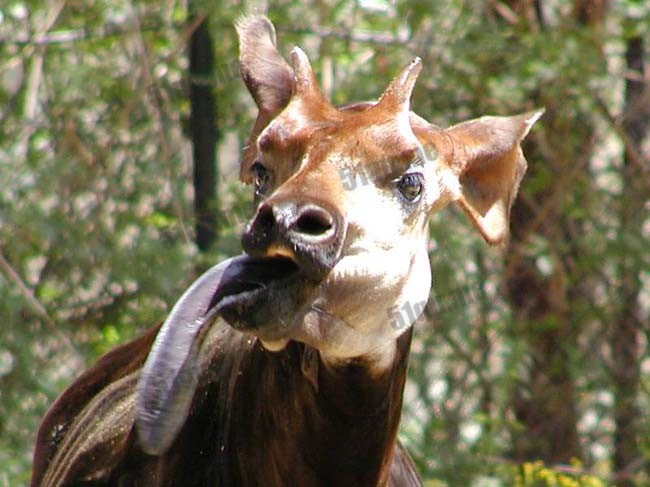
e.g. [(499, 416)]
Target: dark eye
[(410, 186), (261, 178)]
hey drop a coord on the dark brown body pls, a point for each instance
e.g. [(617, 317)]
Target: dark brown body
[(258, 418)]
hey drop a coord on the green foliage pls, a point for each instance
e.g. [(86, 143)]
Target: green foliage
[(96, 224), (537, 475)]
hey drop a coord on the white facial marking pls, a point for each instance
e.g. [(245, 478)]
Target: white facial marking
[(380, 285)]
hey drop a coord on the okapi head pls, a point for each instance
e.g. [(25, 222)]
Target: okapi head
[(304, 386), (344, 197)]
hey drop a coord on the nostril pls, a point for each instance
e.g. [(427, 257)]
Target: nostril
[(313, 221), (260, 231), (265, 220)]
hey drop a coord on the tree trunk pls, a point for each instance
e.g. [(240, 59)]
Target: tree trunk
[(627, 328), (204, 133), (545, 404)]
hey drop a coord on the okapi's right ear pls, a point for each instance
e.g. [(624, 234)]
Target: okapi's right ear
[(267, 76)]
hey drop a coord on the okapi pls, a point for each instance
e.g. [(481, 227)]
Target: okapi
[(282, 366)]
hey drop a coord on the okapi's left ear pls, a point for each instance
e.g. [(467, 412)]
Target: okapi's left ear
[(490, 164)]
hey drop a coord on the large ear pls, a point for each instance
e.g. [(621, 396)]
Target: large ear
[(267, 76), (490, 164)]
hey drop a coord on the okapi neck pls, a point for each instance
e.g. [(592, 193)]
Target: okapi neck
[(356, 385)]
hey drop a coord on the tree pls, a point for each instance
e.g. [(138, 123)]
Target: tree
[(627, 324), (203, 130)]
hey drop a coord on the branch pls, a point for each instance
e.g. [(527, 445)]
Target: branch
[(350, 35), (35, 304), (632, 150), (505, 12)]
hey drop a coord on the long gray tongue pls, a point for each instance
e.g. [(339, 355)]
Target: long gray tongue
[(170, 375)]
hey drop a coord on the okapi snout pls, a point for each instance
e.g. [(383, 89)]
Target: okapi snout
[(310, 233)]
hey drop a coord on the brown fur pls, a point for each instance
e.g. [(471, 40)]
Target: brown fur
[(255, 421)]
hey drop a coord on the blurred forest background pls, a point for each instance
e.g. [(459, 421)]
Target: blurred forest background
[(120, 129)]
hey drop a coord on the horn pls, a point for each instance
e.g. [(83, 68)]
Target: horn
[(306, 85), (398, 94)]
